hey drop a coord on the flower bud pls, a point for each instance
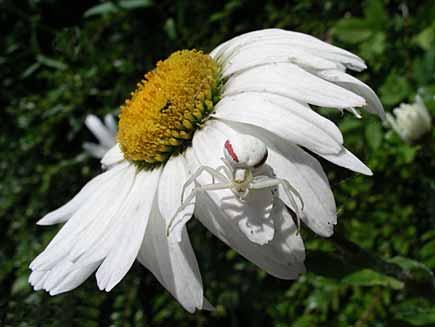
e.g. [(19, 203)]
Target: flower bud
[(411, 121)]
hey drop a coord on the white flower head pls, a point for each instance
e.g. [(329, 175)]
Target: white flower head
[(231, 128), (411, 121), (105, 133)]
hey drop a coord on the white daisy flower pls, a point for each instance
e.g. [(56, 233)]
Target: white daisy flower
[(248, 101), (411, 121), (105, 132)]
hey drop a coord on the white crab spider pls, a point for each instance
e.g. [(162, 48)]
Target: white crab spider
[(243, 157)]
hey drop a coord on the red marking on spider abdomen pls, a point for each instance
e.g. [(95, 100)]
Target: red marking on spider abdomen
[(230, 150)]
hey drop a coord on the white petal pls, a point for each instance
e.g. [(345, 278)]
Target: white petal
[(121, 222), (253, 55), (305, 174), (296, 40), (95, 206), (173, 263), (284, 117), (282, 257), (106, 218), (74, 279), (253, 216), (294, 82), (95, 150), (134, 217), (36, 276), (39, 278), (65, 212), (64, 277), (349, 82), (103, 134), (113, 156), (110, 123), (57, 274), (348, 160), (171, 184)]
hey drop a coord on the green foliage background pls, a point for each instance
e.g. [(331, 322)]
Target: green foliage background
[(60, 61)]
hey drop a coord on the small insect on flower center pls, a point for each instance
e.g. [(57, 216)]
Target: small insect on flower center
[(167, 107)]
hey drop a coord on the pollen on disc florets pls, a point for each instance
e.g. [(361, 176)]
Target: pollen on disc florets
[(167, 107)]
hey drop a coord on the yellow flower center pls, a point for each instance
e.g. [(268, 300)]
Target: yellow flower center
[(167, 107)]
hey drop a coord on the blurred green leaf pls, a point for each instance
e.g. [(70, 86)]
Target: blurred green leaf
[(374, 134), (375, 46), (229, 8), (31, 69), (395, 89), (417, 270), (426, 38), (367, 277), (424, 68), (113, 7), (416, 312), (43, 60), (358, 30), (352, 30), (374, 12), (349, 124)]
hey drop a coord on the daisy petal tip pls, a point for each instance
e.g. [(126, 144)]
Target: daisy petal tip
[(59, 290), (363, 169), (44, 221), (328, 231), (91, 121), (100, 285), (110, 285), (53, 292), (190, 309), (367, 172), (206, 305)]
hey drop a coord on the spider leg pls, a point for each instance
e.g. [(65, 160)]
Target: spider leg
[(195, 191), (225, 169), (266, 182), (214, 173)]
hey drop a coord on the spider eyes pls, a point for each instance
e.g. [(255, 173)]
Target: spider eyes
[(262, 161)]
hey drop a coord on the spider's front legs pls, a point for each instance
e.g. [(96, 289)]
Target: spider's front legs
[(214, 173), (196, 190), (288, 189)]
